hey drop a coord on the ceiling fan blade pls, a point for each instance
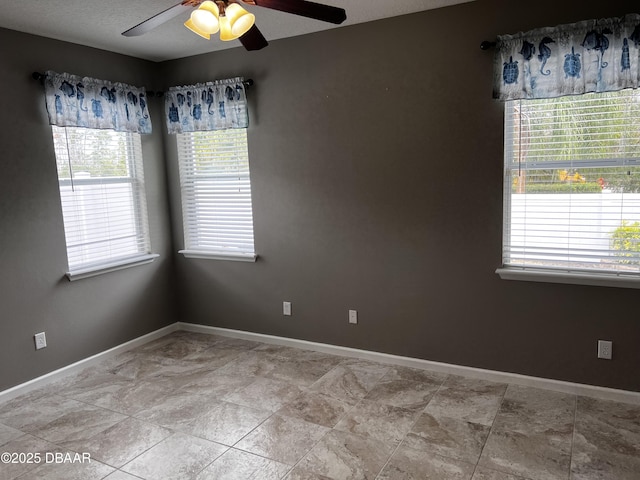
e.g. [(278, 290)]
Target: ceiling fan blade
[(317, 11), (253, 39), (158, 19)]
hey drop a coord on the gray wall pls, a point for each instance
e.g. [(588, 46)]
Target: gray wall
[(377, 186), (91, 315), (376, 164)]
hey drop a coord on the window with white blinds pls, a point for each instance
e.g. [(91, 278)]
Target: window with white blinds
[(216, 194), (103, 200), (572, 184)]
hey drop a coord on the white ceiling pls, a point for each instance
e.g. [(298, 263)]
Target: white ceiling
[(99, 23)]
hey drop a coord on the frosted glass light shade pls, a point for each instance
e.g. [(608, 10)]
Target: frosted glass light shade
[(189, 24), (225, 30), (210, 6), (205, 17), (240, 20)]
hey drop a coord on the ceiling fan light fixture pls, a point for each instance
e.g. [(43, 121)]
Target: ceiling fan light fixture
[(189, 24), (225, 30), (210, 6), (205, 17), (240, 21)]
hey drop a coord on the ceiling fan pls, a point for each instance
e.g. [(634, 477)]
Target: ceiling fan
[(233, 21)]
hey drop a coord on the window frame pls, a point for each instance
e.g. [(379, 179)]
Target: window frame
[(549, 274), (137, 196), (193, 248)]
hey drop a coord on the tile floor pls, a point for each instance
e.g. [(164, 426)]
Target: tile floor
[(196, 406)]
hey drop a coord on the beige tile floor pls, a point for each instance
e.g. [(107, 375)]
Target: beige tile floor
[(195, 406)]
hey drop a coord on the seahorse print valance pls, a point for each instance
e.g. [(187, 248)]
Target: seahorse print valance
[(590, 56), (74, 101), (216, 105)]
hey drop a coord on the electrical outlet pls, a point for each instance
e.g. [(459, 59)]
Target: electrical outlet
[(41, 340), (353, 316), (286, 308), (605, 349)]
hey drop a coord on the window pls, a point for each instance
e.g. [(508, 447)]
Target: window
[(103, 202), (572, 189), (216, 194)]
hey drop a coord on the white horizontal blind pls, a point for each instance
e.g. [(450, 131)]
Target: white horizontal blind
[(216, 192), (572, 183), (102, 191)]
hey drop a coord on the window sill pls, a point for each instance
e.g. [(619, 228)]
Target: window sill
[(110, 267), (236, 257), (573, 278)]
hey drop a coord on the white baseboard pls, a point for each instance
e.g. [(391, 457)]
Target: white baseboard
[(604, 393), (82, 364), (491, 375)]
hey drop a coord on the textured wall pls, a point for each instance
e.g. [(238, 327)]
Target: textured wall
[(87, 316), (376, 163)]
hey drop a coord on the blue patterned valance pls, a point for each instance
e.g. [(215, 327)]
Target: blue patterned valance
[(217, 105), (590, 56), (74, 101)]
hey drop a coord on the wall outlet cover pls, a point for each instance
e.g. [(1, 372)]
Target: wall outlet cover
[(605, 349), (41, 340)]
